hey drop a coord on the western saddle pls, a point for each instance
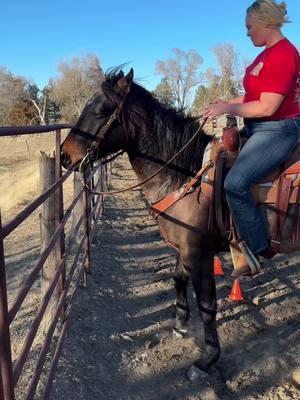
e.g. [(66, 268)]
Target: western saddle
[(278, 193)]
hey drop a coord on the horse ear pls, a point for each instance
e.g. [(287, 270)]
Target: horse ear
[(129, 76), (125, 81)]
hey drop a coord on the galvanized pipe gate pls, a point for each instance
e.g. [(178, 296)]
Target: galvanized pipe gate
[(89, 211)]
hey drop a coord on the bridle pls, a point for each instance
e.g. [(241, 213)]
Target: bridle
[(118, 114), (94, 148)]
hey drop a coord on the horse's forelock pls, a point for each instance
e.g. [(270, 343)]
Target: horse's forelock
[(108, 88), (112, 75)]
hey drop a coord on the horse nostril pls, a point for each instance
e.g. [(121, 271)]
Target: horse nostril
[(64, 159)]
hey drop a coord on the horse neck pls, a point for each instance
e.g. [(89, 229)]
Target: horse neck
[(157, 144)]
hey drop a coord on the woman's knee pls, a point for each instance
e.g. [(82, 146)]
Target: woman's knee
[(233, 183)]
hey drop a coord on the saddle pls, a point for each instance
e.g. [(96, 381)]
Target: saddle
[(278, 193)]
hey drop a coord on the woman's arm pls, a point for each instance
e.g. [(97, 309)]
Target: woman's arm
[(266, 106)]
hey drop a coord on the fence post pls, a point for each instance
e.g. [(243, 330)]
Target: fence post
[(59, 211), (93, 200), (79, 207), (6, 378), (87, 208), (97, 199), (106, 169), (47, 229), (82, 209)]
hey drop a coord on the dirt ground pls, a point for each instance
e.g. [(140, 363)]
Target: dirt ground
[(119, 346)]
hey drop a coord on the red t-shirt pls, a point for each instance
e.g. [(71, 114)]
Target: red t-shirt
[(276, 70)]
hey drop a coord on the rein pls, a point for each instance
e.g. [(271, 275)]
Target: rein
[(112, 193)]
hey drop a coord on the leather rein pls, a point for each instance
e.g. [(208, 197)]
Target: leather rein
[(101, 134)]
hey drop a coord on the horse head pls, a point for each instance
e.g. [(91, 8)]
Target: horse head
[(100, 129)]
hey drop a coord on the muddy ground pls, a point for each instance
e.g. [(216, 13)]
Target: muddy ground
[(118, 347)]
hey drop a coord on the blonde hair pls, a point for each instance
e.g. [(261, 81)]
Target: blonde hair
[(269, 12)]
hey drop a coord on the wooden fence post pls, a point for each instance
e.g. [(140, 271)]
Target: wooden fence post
[(47, 229), (98, 199), (93, 200), (82, 208), (79, 207)]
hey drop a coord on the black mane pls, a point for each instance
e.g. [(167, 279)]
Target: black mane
[(166, 131)]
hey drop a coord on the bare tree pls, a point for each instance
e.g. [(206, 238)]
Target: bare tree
[(38, 101), (227, 61), (79, 79), (181, 73), (40, 114)]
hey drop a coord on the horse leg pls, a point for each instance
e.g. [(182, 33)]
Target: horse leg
[(181, 279), (205, 290)]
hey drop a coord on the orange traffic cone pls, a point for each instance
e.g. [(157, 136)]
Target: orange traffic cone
[(218, 270), (236, 293)]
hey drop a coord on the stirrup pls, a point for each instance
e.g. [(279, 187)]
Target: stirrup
[(241, 247)]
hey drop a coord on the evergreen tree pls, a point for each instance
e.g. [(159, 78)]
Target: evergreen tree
[(164, 94), (52, 108)]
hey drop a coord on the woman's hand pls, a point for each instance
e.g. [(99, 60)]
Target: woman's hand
[(213, 110)]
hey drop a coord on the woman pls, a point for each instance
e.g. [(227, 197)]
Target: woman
[(271, 111)]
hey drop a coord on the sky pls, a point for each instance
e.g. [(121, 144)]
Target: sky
[(36, 35)]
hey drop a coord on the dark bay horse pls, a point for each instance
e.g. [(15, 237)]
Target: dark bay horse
[(123, 115)]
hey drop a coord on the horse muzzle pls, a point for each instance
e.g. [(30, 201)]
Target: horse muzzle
[(65, 160)]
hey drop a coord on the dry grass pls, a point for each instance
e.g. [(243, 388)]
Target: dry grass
[(18, 186), (19, 169)]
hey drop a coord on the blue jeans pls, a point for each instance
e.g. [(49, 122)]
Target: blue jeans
[(270, 143)]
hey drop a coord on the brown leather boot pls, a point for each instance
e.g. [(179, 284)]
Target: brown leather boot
[(241, 257), (241, 268), (239, 262)]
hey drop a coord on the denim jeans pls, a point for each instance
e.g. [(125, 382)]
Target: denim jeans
[(269, 144)]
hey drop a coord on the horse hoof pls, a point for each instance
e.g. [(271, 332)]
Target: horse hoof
[(179, 333), (196, 374)]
